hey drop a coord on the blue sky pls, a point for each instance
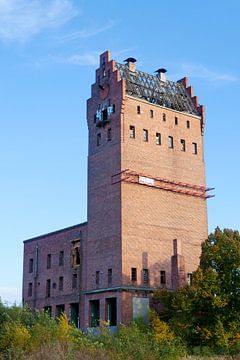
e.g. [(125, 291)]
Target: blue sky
[(48, 54)]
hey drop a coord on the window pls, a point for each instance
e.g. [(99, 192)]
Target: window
[(94, 312), (74, 281), (162, 277), (183, 145), (138, 110), (145, 135), (151, 113), (111, 307), (30, 265), (158, 138), (95, 119), (61, 258), (98, 139), (60, 284), (97, 277), (30, 288), (132, 132), (134, 274), (109, 134), (145, 276), (60, 310), (189, 278), (188, 124), (49, 261), (48, 288), (104, 114), (75, 253), (194, 148), (109, 277), (176, 120), (170, 142), (164, 117), (113, 108)]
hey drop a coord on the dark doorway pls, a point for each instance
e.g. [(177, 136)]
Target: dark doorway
[(111, 304), (74, 309), (94, 313), (60, 310)]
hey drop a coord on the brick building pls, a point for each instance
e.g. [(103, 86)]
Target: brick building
[(147, 196)]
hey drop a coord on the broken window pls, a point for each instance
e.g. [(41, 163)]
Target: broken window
[(30, 265), (61, 258), (145, 276), (134, 274), (76, 253), (30, 288), (49, 261)]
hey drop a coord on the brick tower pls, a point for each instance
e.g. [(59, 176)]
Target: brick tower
[(147, 212)]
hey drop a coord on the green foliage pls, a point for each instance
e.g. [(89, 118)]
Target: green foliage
[(207, 314)]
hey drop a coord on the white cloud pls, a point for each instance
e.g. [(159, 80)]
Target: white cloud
[(88, 32), (200, 71), (21, 19), (10, 295)]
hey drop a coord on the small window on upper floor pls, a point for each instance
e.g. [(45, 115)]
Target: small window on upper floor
[(60, 283), (138, 110), (132, 132), (151, 113), (97, 279), (49, 261), (145, 135), (109, 277), (48, 288), (134, 274), (164, 117), (188, 124), (176, 120), (75, 253), (109, 134), (98, 139), (30, 288), (158, 139), (183, 145), (145, 276), (162, 277), (194, 148), (189, 278), (170, 142), (61, 258), (30, 266)]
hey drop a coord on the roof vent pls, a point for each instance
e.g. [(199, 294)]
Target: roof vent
[(161, 74), (131, 63)]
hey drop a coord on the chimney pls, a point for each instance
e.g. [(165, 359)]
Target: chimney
[(161, 74), (131, 63)]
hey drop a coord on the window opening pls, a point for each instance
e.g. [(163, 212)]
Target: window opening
[(151, 113), (109, 277), (30, 288), (132, 132), (138, 110), (145, 135), (176, 120), (170, 142), (194, 148), (97, 278), (94, 312), (183, 145), (134, 274), (60, 284), (158, 138), (61, 258), (30, 268), (112, 311), (109, 134), (48, 287), (164, 117), (162, 277), (60, 310), (49, 261), (188, 124), (145, 276)]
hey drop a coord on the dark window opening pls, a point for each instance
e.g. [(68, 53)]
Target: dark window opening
[(134, 274), (74, 314), (194, 148), (183, 145), (109, 277), (138, 110), (30, 265), (176, 120), (98, 139), (111, 311), (151, 113), (97, 278), (48, 288), (145, 276), (113, 108), (189, 278), (76, 253), (104, 114), (164, 117), (163, 277), (74, 281), (109, 134), (49, 261), (61, 258), (48, 310), (94, 312), (60, 310), (132, 132), (145, 135), (158, 138), (95, 119), (60, 283), (170, 142), (188, 124), (30, 288)]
